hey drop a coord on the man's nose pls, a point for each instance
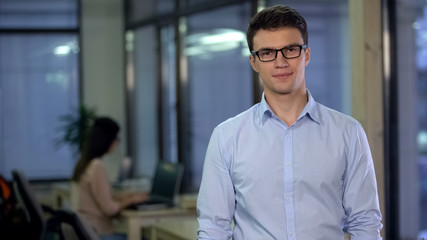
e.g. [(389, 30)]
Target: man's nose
[(280, 60)]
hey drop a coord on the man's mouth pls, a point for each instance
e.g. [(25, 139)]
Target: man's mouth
[(281, 75)]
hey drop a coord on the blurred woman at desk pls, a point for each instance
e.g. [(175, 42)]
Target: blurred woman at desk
[(91, 192)]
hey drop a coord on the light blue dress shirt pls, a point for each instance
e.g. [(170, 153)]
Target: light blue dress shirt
[(312, 180)]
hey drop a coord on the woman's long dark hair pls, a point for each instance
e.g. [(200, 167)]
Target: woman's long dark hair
[(102, 135)]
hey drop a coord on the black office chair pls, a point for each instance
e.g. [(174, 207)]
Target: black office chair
[(61, 224), (71, 226), (36, 225)]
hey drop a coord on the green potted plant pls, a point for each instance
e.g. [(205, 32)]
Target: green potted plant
[(75, 127)]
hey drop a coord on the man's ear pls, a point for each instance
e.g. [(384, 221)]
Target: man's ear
[(253, 64), (307, 55)]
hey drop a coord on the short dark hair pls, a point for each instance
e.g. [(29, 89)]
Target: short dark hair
[(276, 17)]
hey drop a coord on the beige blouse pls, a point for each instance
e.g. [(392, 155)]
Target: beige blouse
[(92, 198)]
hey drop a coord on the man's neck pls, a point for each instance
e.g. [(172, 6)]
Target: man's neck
[(287, 106)]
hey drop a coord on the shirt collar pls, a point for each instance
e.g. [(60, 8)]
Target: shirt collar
[(310, 109), (265, 111)]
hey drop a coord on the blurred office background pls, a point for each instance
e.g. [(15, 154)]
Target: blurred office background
[(169, 71)]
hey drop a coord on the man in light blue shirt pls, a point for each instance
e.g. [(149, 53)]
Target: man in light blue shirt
[(289, 167)]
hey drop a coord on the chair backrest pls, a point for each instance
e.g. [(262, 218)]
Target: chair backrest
[(68, 232), (70, 226), (39, 227), (73, 226), (29, 204)]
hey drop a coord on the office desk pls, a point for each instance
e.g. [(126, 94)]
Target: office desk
[(132, 221), (136, 220), (61, 195), (185, 229)]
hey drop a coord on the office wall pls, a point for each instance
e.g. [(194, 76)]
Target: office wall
[(102, 52)]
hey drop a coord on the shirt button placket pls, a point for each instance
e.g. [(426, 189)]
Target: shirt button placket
[(288, 180)]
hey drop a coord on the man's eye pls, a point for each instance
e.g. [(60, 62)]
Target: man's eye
[(266, 53), (292, 49)]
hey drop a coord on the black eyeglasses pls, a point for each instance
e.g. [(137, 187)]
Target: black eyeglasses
[(288, 52)]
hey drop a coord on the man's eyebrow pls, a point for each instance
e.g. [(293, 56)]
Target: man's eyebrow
[(289, 45), (266, 48)]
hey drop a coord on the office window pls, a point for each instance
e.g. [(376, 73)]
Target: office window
[(138, 10), (143, 95), (39, 67), (174, 117), (169, 96), (30, 14), (195, 3), (411, 89), (219, 84), (191, 71), (38, 83), (328, 74)]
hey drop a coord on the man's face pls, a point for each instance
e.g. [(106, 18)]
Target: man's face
[(281, 76)]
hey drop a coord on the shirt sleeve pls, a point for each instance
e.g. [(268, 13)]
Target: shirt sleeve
[(216, 199), (360, 200), (101, 190)]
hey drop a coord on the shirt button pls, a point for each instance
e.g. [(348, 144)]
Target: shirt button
[(290, 233), (287, 164), (287, 197)]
